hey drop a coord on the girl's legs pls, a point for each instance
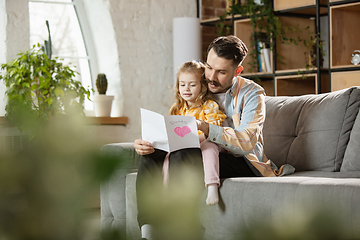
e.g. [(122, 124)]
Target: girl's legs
[(210, 154), (165, 170), (149, 175)]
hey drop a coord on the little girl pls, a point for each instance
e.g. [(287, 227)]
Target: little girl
[(194, 99)]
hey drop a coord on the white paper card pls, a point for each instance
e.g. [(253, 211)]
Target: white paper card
[(169, 133)]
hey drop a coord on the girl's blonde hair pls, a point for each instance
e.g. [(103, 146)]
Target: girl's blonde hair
[(198, 69)]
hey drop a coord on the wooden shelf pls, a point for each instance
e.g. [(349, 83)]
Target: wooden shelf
[(92, 120), (345, 37), (3, 121), (341, 80), (212, 21), (293, 56), (243, 30), (296, 85), (347, 67), (296, 71), (107, 120), (309, 11), (305, 7), (268, 87), (257, 74), (286, 4)]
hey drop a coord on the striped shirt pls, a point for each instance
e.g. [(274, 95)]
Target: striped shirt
[(245, 108)]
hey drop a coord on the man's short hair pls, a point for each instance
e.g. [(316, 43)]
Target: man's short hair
[(229, 47)]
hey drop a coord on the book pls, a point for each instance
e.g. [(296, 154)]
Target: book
[(169, 133), (258, 44), (266, 52), (264, 57)]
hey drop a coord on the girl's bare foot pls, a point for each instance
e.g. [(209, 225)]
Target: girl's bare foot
[(213, 195)]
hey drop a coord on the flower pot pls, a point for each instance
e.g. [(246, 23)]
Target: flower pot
[(102, 105)]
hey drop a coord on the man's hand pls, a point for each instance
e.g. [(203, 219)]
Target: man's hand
[(203, 126), (143, 147)]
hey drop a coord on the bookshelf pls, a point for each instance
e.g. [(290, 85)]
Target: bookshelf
[(289, 75)]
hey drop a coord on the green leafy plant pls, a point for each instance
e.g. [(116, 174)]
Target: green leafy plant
[(310, 53), (311, 47), (41, 88)]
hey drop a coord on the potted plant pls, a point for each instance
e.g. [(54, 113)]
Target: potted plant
[(102, 102), (40, 89)]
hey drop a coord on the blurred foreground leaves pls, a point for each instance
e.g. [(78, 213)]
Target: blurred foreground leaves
[(174, 211), (317, 222), (44, 190)]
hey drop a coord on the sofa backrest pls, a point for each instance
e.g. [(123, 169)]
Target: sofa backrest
[(351, 160), (310, 132)]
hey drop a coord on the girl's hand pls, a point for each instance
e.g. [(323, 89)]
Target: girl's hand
[(202, 137), (143, 147), (203, 126)]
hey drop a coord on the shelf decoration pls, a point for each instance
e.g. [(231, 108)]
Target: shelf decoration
[(355, 57), (102, 102)]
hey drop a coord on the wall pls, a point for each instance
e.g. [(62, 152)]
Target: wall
[(3, 22), (14, 33)]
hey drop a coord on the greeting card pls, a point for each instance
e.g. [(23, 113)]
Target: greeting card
[(169, 133)]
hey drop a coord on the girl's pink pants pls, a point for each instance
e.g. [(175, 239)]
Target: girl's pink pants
[(210, 156)]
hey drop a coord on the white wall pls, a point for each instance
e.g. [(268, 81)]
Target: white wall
[(14, 31), (3, 22), (142, 47)]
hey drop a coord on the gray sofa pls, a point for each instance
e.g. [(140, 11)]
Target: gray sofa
[(317, 134)]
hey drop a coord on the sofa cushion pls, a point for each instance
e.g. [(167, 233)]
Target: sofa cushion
[(351, 160), (323, 174), (310, 132), (248, 201), (245, 201)]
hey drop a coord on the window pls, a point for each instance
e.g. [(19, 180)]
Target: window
[(66, 35)]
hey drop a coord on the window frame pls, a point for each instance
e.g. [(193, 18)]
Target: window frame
[(86, 35)]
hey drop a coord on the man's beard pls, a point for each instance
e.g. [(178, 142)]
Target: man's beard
[(216, 88), (216, 84)]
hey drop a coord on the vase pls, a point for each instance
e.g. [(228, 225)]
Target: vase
[(102, 105)]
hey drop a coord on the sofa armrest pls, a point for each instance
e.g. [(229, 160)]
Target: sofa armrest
[(112, 192), (120, 150)]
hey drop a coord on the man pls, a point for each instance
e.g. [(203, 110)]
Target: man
[(243, 102)]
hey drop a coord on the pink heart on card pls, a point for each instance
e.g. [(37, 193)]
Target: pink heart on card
[(182, 131)]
